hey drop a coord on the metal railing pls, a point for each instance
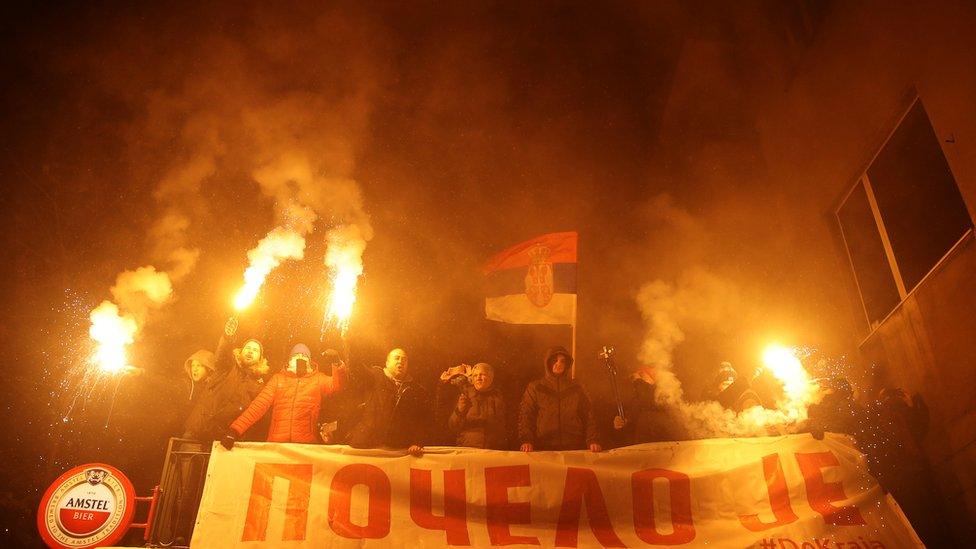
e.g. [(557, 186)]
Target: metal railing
[(180, 487)]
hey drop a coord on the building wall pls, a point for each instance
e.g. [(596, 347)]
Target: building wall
[(822, 116)]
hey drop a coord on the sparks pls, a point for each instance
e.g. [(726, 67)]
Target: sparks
[(344, 261)]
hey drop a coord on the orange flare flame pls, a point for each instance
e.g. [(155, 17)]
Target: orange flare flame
[(344, 259), (112, 333)]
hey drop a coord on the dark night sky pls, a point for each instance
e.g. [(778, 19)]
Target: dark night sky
[(467, 127)]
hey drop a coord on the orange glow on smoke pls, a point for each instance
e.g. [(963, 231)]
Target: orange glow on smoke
[(280, 244)]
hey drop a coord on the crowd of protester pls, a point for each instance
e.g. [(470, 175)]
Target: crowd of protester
[(231, 392)]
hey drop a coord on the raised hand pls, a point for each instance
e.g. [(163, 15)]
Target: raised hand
[(231, 327)]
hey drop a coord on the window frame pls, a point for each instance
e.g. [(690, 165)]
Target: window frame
[(864, 182)]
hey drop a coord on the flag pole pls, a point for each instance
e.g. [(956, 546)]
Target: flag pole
[(572, 349)]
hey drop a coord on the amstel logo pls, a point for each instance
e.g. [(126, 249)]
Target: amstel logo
[(87, 506)]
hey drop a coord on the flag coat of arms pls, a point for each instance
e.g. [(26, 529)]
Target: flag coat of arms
[(534, 282)]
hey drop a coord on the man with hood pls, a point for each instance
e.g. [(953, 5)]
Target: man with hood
[(555, 413), (478, 419), (395, 414), (731, 390), (239, 377), (199, 369), (294, 396)]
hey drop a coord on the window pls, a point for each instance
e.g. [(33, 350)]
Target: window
[(902, 217)]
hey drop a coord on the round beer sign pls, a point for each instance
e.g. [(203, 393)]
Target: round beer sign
[(88, 506)]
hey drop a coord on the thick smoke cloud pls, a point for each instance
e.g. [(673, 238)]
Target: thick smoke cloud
[(158, 142)]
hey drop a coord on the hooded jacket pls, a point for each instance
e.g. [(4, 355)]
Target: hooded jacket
[(483, 424), (395, 414), (200, 396), (556, 413), (294, 401)]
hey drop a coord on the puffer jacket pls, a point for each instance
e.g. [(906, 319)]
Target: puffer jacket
[(294, 402), (395, 415), (483, 423), (555, 413)]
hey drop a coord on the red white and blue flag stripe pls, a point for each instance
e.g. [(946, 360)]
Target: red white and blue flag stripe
[(534, 282)]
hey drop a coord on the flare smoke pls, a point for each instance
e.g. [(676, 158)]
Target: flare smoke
[(703, 298)]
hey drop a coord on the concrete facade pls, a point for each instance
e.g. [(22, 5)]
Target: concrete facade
[(824, 109)]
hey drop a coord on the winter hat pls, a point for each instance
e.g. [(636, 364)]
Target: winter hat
[(203, 357), (553, 352), (300, 349)]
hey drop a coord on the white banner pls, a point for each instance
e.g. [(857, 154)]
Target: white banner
[(791, 492)]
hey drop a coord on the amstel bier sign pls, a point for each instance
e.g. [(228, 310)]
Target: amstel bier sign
[(90, 505)]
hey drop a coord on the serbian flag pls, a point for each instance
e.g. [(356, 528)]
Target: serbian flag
[(534, 282)]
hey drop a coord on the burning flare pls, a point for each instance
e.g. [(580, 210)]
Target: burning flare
[(112, 333), (280, 244), (785, 366), (344, 260)]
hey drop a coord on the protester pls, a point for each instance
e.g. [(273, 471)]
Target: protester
[(453, 381), (647, 420), (239, 377), (555, 413), (767, 387), (341, 411), (294, 396), (478, 419), (731, 390), (837, 411), (898, 425), (396, 410), (199, 369)]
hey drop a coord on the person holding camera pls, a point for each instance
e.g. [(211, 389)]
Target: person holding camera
[(294, 396), (478, 419)]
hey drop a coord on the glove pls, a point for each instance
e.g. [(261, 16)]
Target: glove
[(228, 440), (230, 328)]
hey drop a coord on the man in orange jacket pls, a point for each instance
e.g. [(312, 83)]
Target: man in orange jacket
[(294, 396)]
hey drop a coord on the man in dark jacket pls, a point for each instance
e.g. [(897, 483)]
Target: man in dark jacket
[(647, 420), (478, 419), (555, 413), (893, 444), (239, 377), (395, 414), (837, 411)]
